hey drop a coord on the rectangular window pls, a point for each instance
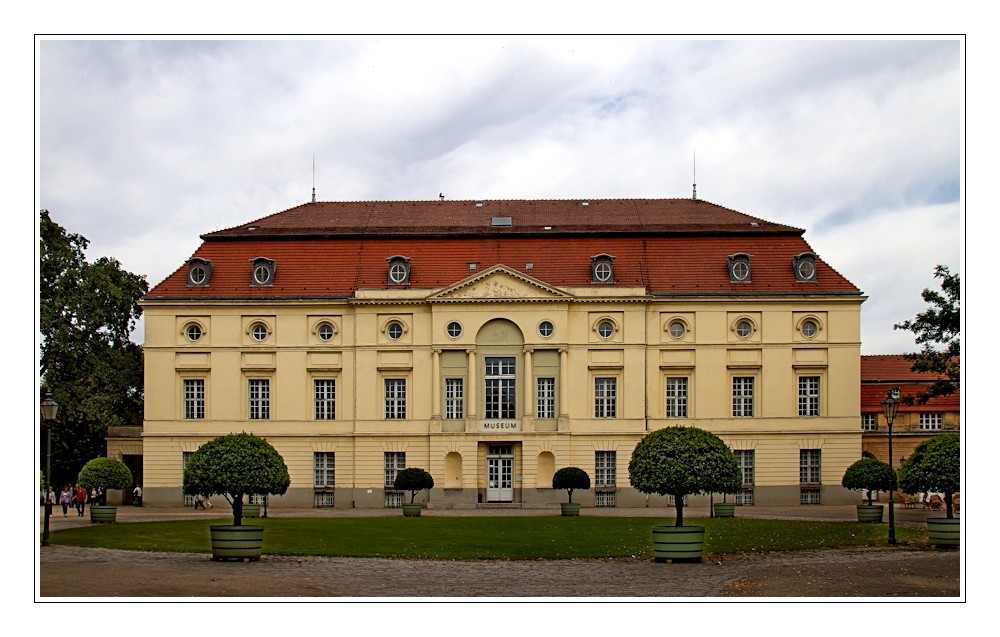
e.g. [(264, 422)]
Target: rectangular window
[(809, 466), (604, 499), (326, 399), (605, 396), (323, 499), (260, 399), (395, 398), (809, 496), (742, 396), (677, 398), (808, 395), (453, 398), (605, 468), (393, 500), (323, 465), (185, 458), (546, 398), (500, 387), (395, 461), (744, 498), (869, 422), (194, 399), (745, 460), (930, 421)]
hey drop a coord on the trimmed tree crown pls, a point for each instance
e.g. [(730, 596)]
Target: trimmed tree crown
[(935, 465), (413, 479), (571, 478), (868, 474), (236, 464), (681, 460), (105, 473)]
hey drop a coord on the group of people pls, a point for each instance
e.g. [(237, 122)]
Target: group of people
[(75, 495)]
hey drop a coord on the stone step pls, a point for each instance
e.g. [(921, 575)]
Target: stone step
[(499, 505)]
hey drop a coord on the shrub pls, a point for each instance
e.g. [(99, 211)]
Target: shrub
[(413, 479), (936, 465), (236, 465), (571, 479), (678, 461), (104, 474), (869, 474)]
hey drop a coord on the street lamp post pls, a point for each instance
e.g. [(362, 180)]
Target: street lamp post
[(889, 407), (49, 409)]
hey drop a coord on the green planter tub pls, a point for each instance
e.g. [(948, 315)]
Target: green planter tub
[(411, 510), (237, 543), (871, 513), (944, 531), (678, 543), (725, 510), (570, 508), (102, 515), (251, 511)]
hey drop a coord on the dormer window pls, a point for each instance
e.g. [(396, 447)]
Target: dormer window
[(804, 266), (399, 270), (262, 271), (602, 268), (199, 271), (739, 268)]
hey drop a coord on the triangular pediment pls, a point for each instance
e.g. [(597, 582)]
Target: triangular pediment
[(500, 283)]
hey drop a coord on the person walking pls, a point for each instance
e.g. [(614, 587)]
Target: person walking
[(65, 498), (137, 496), (51, 497), (80, 499)]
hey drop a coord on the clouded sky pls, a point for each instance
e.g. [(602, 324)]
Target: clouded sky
[(145, 145)]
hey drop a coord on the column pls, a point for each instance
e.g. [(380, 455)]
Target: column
[(470, 392), (563, 389), (436, 390), (528, 420)]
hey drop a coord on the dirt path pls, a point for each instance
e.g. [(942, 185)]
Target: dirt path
[(73, 571)]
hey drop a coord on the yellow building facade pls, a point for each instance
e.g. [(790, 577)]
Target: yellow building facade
[(494, 380)]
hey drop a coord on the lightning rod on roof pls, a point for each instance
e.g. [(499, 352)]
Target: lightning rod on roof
[(314, 178), (694, 175)]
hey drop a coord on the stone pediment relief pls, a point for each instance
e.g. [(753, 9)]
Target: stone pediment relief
[(500, 283)]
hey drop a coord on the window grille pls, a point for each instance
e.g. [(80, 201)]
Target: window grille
[(742, 396), (395, 461), (672, 501), (930, 421), (395, 398), (194, 399), (808, 395), (186, 457), (260, 399), (677, 398), (326, 399), (744, 497), (605, 396), (546, 398), (453, 395), (605, 468), (809, 496), (745, 460), (323, 499), (869, 422), (323, 469), (501, 380), (393, 500), (809, 466), (604, 499), (258, 498)]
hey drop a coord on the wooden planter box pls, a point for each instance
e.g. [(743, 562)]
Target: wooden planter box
[(237, 543), (678, 543)]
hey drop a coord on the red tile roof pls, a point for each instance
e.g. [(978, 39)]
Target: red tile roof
[(873, 395), (880, 373), (891, 368)]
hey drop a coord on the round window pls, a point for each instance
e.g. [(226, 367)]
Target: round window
[(325, 332), (806, 269), (677, 329), (259, 332), (744, 329), (261, 274), (397, 273), (603, 271), (606, 329), (193, 333), (197, 275), (809, 329), (395, 331), (454, 329), (545, 329), (741, 270)]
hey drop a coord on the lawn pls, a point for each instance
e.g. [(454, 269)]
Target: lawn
[(526, 538)]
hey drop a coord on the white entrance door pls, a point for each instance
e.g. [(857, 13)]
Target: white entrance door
[(500, 474)]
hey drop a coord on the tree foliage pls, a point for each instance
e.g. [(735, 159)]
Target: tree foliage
[(869, 474), (678, 461), (939, 330), (935, 466), (104, 474), (571, 479), (236, 465), (95, 373), (413, 479)]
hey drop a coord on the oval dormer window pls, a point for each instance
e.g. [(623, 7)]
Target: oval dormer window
[(262, 272), (804, 266), (739, 268), (199, 271), (399, 270), (602, 267)]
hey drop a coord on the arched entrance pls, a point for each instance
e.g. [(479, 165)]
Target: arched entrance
[(500, 349)]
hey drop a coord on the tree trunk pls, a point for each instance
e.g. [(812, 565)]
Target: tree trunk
[(571, 496), (237, 509), (869, 497), (679, 505), (947, 505), (413, 494)]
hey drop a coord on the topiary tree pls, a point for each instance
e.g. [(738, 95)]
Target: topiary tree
[(104, 474), (413, 479), (936, 465), (236, 465), (571, 479), (678, 461), (869, 474)]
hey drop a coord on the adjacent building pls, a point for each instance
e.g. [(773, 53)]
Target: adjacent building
[(494, 342)]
